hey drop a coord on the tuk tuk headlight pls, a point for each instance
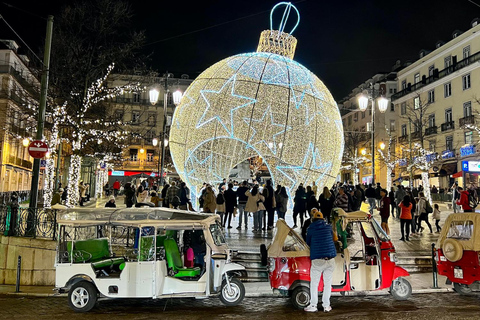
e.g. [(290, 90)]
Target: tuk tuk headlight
[(393, 257), (270, 265)]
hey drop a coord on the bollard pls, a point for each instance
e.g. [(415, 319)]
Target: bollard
[(434, 268), (19, 264)]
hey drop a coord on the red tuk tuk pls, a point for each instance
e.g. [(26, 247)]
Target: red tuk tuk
[(366, 260)]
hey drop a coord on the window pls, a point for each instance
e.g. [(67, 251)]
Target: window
[(466, 52), (467, 109), (150, 154), (350, 120), (448, 61), (391, 90), (449, 143), (448, 89), (416, 103), (403, 108), (152, 119), (392, 125), (293, 243), (431, 120), (133, 154), (448, 115), (469, 137), (355, 116), (363, 115), (430, 70), (431, 146), (119, 115), (466, 81), (416, 78), (431, 96), (135, 117), (217, 234), (392, 107), (404, 84), (404, 130), (460, 230), (416, 126), (136, 97)]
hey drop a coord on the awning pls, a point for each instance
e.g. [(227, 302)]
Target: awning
[(457, 175), (448, 169)]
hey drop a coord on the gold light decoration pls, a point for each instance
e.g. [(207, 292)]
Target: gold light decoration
[(258, 104)]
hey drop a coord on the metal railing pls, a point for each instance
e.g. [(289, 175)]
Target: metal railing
[(467, 120), (448, 126), (431, 130), (27, 222)]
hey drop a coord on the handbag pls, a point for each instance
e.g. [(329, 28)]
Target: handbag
[(428, 207), (235, 211)]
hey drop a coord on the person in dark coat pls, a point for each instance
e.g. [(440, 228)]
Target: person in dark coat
[(165, 203), (384, 209), (230, 203), (269, 204), (129, 195), (326, 201), (111, 202), (299, 206), (311, 201)]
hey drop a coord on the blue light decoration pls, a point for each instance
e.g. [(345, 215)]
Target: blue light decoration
[(258, 104), (467, 150), (447, 154)]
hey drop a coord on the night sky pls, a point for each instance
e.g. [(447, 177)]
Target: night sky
[(342, 42)]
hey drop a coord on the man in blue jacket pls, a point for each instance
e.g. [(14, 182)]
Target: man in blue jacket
[(322, 255)]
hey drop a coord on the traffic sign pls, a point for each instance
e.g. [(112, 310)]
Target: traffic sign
[(38, 149)]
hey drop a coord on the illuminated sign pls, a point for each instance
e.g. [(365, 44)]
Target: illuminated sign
[(118, 173), (471, 166)]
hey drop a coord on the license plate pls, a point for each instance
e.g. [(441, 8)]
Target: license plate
[(458, 273)]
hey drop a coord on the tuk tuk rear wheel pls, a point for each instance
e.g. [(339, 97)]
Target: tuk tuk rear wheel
[(462, 289), (401, 289), (82, 296), (301, 297), (234, 296)]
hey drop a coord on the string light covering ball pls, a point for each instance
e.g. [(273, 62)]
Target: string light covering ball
[(259, 104)]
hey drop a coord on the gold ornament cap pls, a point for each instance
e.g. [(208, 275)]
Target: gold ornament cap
[(278, 41)]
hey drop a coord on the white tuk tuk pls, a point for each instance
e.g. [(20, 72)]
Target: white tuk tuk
[(143, 253)]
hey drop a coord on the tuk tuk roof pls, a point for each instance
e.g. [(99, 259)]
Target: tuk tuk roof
[(352, 216), (133, 217), (468, 244), (275, 250)]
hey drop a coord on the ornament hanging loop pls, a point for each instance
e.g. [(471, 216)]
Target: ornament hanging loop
[(286, 14)]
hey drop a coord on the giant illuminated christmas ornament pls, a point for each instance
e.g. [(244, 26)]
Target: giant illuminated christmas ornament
[(259, 104)]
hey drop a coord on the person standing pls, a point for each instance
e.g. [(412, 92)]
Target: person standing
[(377, 193), (384, 209), (184, 195), (371, 197), (391, 196), (172, 193), (222, 185), (57, 197), (129, 195), (399, 195), (230, 204), (164, 194), (322, 255), (242, 202), (326, 201), (270, 204), (299, 206), (341, 201), (311, 200), (405, 217), (455, 197), (436, 217), (282, 203), (252, 206), (463, 201), (221, 207), (155, 199), (82, 189), (116, 187), (314, 189), (209, 200)]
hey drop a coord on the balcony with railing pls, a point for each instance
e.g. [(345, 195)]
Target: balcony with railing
[(402, 139), (467, 120), (431, 130), (448, 126), (437, 75), (29, 84), (13, 160)]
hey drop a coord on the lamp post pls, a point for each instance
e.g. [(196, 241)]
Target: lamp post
[(177, 96), (363, 99)]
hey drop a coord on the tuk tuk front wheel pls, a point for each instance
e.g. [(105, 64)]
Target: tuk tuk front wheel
[(301, 297), (82, 296), (462, 289), (234, 295), (401, 289)]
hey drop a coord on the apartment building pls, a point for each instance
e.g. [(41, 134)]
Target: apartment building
[(144, 121), (436, 100), (357, 126), (19, 94)]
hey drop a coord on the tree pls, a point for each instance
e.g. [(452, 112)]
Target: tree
[(352, 159), (389, 159), (424, 161)]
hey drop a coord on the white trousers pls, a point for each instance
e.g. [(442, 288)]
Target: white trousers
[(318, 267)]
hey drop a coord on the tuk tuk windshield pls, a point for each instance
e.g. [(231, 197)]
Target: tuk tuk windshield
[(460, 230), (217, 234), (293, 243)]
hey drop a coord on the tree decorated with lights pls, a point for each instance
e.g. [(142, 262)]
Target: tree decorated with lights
[(389, 159), (259, 104), (424, 160), (353, 158)]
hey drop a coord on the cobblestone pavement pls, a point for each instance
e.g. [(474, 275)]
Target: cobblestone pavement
[(422, 306)]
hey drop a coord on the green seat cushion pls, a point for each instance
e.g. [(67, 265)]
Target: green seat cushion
[(146, 248), (108, 263), (90, 250), (174, 261)]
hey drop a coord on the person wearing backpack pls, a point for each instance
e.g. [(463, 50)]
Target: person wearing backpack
[(464, 200), (424, 208)]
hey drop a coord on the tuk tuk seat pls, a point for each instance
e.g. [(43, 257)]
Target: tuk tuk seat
[(174, 261), (95, 251)]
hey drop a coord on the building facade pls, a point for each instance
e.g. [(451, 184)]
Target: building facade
[(145, 122), (19, 94), (436, 106), (357, 126)]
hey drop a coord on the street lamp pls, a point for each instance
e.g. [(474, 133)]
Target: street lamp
[(26, 142), (153, 95), (363, 99), (382, 145)]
